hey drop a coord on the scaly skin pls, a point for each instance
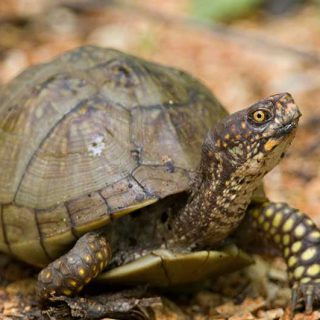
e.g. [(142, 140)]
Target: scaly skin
[(236, 155), (298, 238), (68, 274)]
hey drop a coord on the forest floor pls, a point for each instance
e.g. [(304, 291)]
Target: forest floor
[(241, 62)]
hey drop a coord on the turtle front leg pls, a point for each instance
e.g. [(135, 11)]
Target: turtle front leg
[(298, 238), (71, 272)]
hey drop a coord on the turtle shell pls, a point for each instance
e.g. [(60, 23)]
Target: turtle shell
[(91, 136)]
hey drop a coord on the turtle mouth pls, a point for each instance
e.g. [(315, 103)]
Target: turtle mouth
[(286, 129)]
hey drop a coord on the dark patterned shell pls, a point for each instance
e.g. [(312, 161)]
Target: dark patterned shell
[(92, 135)]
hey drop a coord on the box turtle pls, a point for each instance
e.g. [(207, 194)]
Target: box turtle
[(97, 134)]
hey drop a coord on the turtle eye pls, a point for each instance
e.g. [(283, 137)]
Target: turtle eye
[(260, 116)]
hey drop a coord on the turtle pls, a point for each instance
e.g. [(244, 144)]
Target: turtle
[(127, 171)]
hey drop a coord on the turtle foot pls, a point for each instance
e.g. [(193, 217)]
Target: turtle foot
[(308, 292)]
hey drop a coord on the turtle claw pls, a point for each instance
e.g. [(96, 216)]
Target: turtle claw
[(309, 292)]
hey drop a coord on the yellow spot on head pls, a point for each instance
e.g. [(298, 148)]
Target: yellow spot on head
[(271, 144), (298, 272), (313, 270), (309, 253), (288, 225), (48, 275), (305, 280), (243, 125), (261, 219), (300, 230), (277, 219), (296, 247), (227, 136)]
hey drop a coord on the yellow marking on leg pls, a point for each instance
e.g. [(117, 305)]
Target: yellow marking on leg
[(296, 246), (286, 240), (266, 226), (313, 270), (99, 256), (292, 261), (66, 292), (101, 266), (286, 211), (88, 258), (261, 219), (277, 220), (309, 222), (82, 272), (314, 235), (300, 230), (298, 272), (87, 280), (277, 238), (269, 212), (255, 213), (79, 288), (273, 231), (286, 252), (92, 246), (309, 254), (288, 225), (73, 283)]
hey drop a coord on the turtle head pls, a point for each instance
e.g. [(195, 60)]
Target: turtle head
[(257, 137), (236, 154)]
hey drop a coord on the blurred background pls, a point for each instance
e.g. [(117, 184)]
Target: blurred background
[(242, 49)]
